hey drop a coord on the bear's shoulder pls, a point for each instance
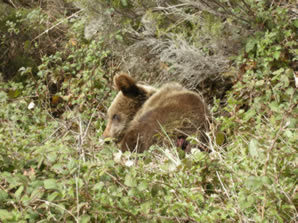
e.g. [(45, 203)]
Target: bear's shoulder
[(171, 93)]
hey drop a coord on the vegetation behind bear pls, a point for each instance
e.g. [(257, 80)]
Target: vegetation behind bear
[(53, 167)]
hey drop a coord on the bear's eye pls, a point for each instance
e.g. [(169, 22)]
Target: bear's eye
[(116, 117)]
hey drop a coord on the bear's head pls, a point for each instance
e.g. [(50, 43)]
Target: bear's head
[(126, 104)]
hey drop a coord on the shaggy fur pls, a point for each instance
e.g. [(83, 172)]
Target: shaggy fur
[(140, 113), (126, 104)]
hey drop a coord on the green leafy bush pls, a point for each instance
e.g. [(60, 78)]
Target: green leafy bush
[(75, 78), (261, 128), (54, 168), (28, 31)]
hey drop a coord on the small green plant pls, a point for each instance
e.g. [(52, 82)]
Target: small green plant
[(54, 168), (74, 78), (261, 128)]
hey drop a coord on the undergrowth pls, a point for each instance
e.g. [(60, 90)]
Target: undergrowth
[(55, 168)]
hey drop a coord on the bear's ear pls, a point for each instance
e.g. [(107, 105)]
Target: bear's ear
[(127, 85)]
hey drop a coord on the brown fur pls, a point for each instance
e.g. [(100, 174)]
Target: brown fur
[(139, 113), (127, 103)]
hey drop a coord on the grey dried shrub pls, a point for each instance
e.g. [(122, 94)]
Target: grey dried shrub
[(187, 41)]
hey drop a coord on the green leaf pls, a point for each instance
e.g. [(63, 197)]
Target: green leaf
[(288, 133), (85, 219), (253, 148), (50, 184), (142, 186), (5, 215), (260, 83), (119, 37), (266, 180), (254, 182), (292, 122), (3, 195), (25, 199), (27, 45), (155, 189), (124, 3), (278, 73), (146, 207), (130, 181), (276, 55), (60, 208), (295, 23), (220, 138), (290, 91), (285, 80), (37, 193), (53, 196), (274, 106), (14, 93), (250, 45), (249, 114), (18, 193), (98, 187)]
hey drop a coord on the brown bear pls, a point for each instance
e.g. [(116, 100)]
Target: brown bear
[(140, 114)]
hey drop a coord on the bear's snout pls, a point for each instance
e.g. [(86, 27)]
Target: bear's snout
[(106, 133), (110, 134)]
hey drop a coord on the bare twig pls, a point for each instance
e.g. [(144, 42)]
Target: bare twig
[(52, 27), (226, 192), (62, 208)]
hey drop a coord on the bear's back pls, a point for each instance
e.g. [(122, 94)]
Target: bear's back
[(172, 109)]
